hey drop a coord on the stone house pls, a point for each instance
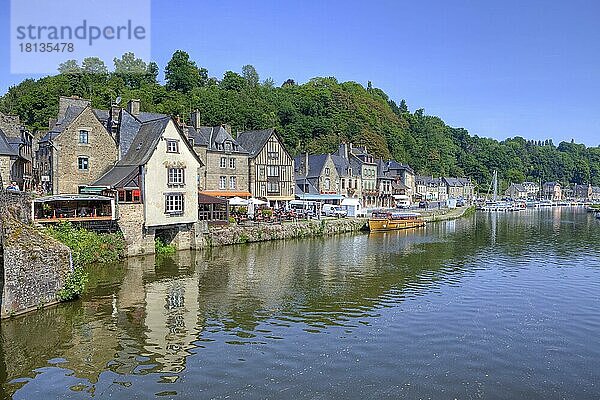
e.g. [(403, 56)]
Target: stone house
[(156, 185), (385, 186), (533, 189), (225, 163), (8, 160), (552, 191), (516, 191), (429, 188), (271, 168), (318, 171), (404, 176), (77, 150), (21, 141), (583, 192), (349, 170), (468, 189), (454, 187), (365, 162), (595, 193)]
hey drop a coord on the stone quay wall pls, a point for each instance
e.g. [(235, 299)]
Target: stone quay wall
[(238, 234), (34, 265)]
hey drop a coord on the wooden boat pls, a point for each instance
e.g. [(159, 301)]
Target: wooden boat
[(390, 220)]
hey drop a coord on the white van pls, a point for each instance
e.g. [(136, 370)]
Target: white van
[(331, 210), (354, 208), (402, 201)]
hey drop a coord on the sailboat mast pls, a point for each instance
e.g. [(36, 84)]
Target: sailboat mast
[(495, 185)]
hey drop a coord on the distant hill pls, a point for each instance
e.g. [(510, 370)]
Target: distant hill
[(313, 116)]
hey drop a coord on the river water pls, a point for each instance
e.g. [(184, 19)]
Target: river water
[(491, 306)]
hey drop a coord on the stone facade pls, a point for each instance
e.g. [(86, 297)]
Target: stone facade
[(137, 238), (65, 152), (214, 171), (5, 169), (35, 266)]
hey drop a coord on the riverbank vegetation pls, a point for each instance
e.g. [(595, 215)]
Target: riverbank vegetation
[(163, 248), (314, 116), (87, 248)]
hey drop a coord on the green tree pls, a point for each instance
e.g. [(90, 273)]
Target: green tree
[(250, 75), (181, 73), (69, 67), (94, 65)]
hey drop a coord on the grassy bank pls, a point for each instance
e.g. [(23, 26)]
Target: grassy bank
[(450, 214), (87, 248)]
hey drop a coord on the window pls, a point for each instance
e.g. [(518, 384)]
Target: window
[(273, 170), (232, 163), (273, 187), (83, 163), (350, 171), (191, 140), (222, 182), (326, 171), (84, 136), (327, 184), (174, 204), (228, 147), (273, 155), (343, 183), (223, 163), (172, 146), (176, 177), (232, 182), (129, 196)]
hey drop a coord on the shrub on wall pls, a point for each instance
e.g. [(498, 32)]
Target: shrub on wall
[(87, 248)]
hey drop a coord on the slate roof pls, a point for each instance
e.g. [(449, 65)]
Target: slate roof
[(254, 141), (551, 184), (5, 148), (117, 176), (341, 165), (102, 115), (427, 180), (301, 181), (453, 182), (518, 187), (316, 162), (214, 137), (71, 114), (395, 165), (197, 135), (465, 181), (145, 142)]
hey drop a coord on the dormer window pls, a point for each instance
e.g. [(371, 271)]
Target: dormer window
[(228, 146), (172, 146), (191, 140)]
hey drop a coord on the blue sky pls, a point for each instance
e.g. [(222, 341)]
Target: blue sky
[(498, 69)]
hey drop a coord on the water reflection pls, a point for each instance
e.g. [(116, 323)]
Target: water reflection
[(142, 322)]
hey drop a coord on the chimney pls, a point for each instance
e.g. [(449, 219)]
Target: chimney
[(114, 120), (133, 107), (227, 128), (52, 122), (306, 163), (195, 117), (343, 150)]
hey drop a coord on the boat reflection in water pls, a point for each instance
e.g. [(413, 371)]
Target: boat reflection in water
[(390, 220)]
